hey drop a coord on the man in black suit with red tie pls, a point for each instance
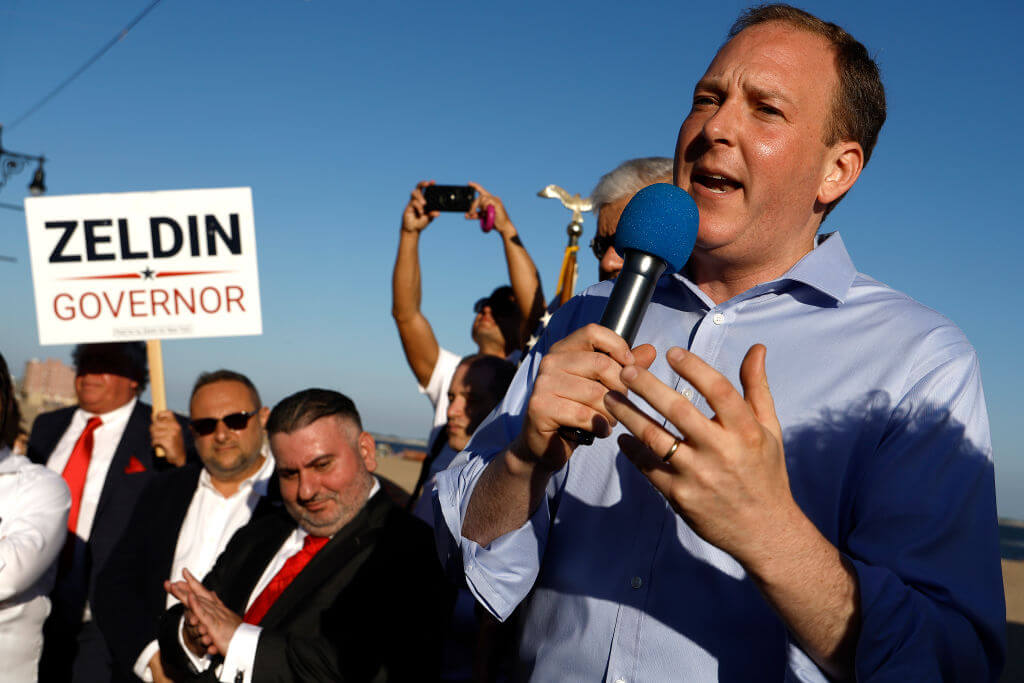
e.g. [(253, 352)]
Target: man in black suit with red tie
[(324, 590), (103, 450)]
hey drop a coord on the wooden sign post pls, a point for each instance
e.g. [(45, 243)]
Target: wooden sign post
[(156, 383)]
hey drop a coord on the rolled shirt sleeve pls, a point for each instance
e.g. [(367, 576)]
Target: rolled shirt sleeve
[(501, 574)]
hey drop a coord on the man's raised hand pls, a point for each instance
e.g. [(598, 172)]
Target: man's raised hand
[(165, 431), (569, 391), (415, 217), (727, 476)]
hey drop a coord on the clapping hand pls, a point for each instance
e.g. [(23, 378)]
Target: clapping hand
[(208, 625)]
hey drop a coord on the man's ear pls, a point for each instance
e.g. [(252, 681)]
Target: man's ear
[(264, 415), (368, 451), (845, 164)]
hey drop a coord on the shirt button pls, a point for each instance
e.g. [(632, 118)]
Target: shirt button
[(636, 582), (718, 319), (620, 680), (688, 393)]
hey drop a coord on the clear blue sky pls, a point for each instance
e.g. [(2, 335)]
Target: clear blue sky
[(331, 111)]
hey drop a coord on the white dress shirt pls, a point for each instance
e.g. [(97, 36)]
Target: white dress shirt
[(241, 654), (210, 522), (104, 442), (34, 505)]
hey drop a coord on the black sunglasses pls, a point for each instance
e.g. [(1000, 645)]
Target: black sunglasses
[(205, 426), (499, 308), (600, 244)]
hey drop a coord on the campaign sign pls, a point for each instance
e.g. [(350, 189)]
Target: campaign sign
[(144, 265)]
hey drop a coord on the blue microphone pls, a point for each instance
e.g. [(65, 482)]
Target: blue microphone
[(657, 231)]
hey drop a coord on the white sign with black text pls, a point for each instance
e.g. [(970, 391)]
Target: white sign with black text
[(144, 265)]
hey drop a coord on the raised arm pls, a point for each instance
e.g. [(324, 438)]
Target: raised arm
[(522, 272), (417, 336)]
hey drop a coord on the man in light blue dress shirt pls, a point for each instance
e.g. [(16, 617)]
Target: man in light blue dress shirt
[(794, 479)]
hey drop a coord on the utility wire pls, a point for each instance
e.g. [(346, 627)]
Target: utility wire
[(92, 60)]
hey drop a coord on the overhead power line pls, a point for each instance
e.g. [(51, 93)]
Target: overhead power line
[(92, 60)]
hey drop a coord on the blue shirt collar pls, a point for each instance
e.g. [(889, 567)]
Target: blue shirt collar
[(826, 268)]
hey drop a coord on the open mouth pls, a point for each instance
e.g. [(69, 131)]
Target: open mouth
[(716, 183)]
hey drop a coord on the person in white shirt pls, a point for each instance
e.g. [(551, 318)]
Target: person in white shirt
[(502, 320), (34, 506), (185, 518)]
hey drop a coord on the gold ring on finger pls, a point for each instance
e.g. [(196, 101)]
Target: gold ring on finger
[(671, 451)]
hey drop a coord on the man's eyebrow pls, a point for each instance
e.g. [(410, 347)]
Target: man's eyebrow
[(707, 83), (318, 459), (767, 93), (763, 92)]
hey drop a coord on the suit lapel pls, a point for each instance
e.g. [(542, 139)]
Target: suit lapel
[(48, 435), (179, 489), (134, 442), (250, 564), (344, 554)]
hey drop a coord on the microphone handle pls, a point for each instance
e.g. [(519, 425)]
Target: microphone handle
[(626, 306)]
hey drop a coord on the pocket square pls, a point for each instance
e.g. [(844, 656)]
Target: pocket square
[(134, 466)]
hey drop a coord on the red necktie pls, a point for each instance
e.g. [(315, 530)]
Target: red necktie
[(76, 469), (292, 566)]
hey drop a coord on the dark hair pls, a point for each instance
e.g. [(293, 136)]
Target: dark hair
[(507, 316), (6, 398), (125, 359), (309, 405), (500, 371), (858, 105), (227, 376)]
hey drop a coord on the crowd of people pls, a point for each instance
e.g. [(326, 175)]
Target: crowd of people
[(792, 478)]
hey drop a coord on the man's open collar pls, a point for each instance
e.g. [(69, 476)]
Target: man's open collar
[(826, 268)]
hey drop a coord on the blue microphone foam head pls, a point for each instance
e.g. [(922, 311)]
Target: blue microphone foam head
[(660, 220)]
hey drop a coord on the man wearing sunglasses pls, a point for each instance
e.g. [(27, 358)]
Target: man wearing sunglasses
[(609, 198), (103, 450), (186, 517)]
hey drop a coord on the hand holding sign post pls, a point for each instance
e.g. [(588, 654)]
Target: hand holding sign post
[(144, 265)]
